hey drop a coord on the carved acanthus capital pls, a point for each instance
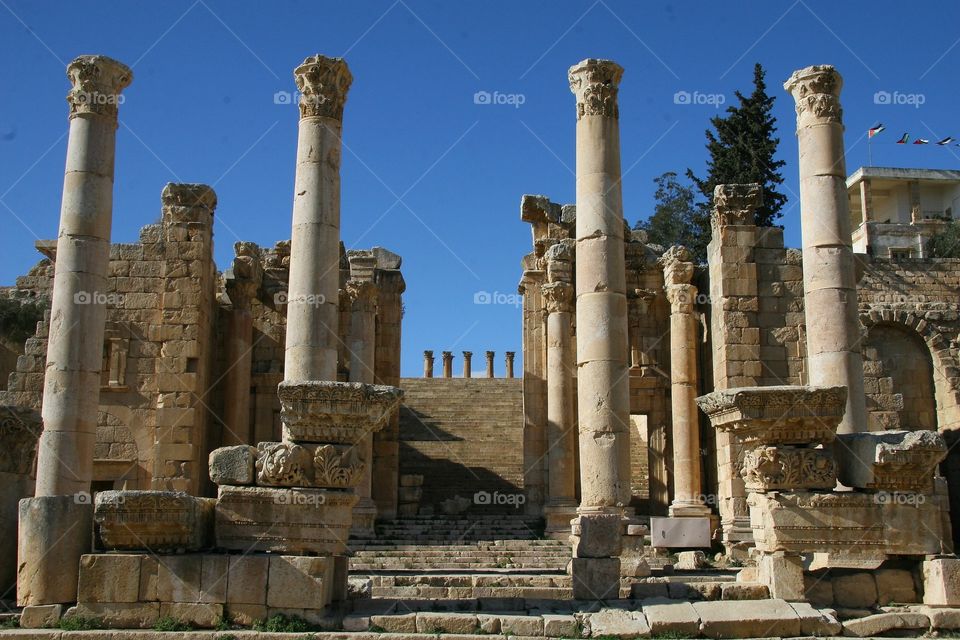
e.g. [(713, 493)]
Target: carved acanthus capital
[(898, 461), (677, 265), (97, 82), (681, 296), (788, 469), (362, 295), (179, 197), (595, 84), (736, 204), (323, 83), (816, 91), (559, 297)]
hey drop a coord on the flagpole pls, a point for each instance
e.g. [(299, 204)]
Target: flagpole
[(869, 151)]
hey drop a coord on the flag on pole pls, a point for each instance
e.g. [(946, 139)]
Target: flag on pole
[(904, 139), (875, 129), (921, 141), (946, 141)]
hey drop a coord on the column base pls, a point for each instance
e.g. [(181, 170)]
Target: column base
[(364, 517), (558, 517), (688, 509), (54, 531)]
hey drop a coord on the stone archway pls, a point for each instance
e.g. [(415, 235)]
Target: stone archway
[(899, 379)]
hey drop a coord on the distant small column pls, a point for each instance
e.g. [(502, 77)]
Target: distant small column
[(490, 355), (509, 363), (447, 364), (467, 355), (428, 364)]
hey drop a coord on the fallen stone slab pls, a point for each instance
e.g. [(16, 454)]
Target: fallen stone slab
[(619, 623), (881, 623), (816, 622), (673, 617), (945, 619), (747, 619), (40, 616)]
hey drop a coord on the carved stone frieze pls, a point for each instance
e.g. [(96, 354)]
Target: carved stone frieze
[(152, 520), (788, 469), (335, 412), (896, 461)]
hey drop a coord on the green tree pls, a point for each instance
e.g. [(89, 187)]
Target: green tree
[(945, 244), (742, 147), (673, 215)]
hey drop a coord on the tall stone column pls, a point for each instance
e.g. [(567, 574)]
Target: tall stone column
[(490, 355), (447, 364), (242, 281), (55, 526), (467, 356), (363, 311), (603, 397), (312, 297), (508, 363), (829, 280), (428, 364), (561, 505), (677, 274)]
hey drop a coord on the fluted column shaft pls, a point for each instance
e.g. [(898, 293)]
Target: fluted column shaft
[(312, 297), (71, 388), (829, 280)]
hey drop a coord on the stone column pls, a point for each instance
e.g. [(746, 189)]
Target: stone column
[(242, 281), (71, 387), (603, 395), (677, 274), (510, 355), (55, 526), (312, 297), (866, 201), (561, 505), (829, 280), (489, 355), (467, 355), (428, 364), (447, 364), (363, 311)]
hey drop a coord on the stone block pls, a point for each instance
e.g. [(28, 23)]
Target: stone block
[(135, 615), (233, 465), (782, 575), (149, 574), (855, 591), (818, 590), (157, 521), (195, 614), (41, 616), (941, 582), (245, 614), (671, 617), (213, 578), (942, 619), (595, 578), (247, 579), (433, 622), (299, 582), (816, 622), (883, 623), (559, 626), (356, 622), (400, 623), (895, 586), (283, 520), (643, 590), (690, 561), (488, 623), (618, 623), (109, 578), (178, 578), (741, 619), (744, 591), (54, 532), (895, 461), (597, 535), (521, 625)]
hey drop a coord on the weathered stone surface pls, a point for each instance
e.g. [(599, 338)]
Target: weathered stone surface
[(816, 622), (671, 617), (786, 468), (941, 582), (891, 460), (283, 520), (54, 532), (895, 586), (855, 591), (178, 578), (247, 579), (334, 412), (617, 623), (488, 623), (429, 622), (782, 574), (595, 578), (882, 623), (560, 626), (356, 622), (400, 623), (299, 582), (41, 616), (521, 625), (941, 618), (690, 561), (134, 615), (744, 591), (153, 520), (109, 578), (233, 465), (195, 614), (597, 535), (758, 619)]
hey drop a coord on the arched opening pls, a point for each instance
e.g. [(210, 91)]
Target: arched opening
[(899, 380)]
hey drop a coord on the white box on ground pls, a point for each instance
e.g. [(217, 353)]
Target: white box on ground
[(690, 533)]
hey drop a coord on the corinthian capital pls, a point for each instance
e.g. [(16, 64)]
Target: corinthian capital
[(362, 295), (681, 297), (323, 83), (816, 91), (736, 204), (677, 265), (96, 85), (595, 84), (559, 297)]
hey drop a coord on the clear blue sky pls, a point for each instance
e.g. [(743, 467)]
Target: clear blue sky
[(428, 173)]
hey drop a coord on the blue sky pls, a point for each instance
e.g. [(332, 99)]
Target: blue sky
[(428, 172)]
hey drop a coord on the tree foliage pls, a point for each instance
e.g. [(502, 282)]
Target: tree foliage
[(946, 243)]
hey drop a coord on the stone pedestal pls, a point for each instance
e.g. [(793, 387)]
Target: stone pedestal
[(829, 274), (78, 310), (54, 531)]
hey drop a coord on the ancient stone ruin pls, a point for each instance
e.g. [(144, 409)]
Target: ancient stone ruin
[(756, 447)]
